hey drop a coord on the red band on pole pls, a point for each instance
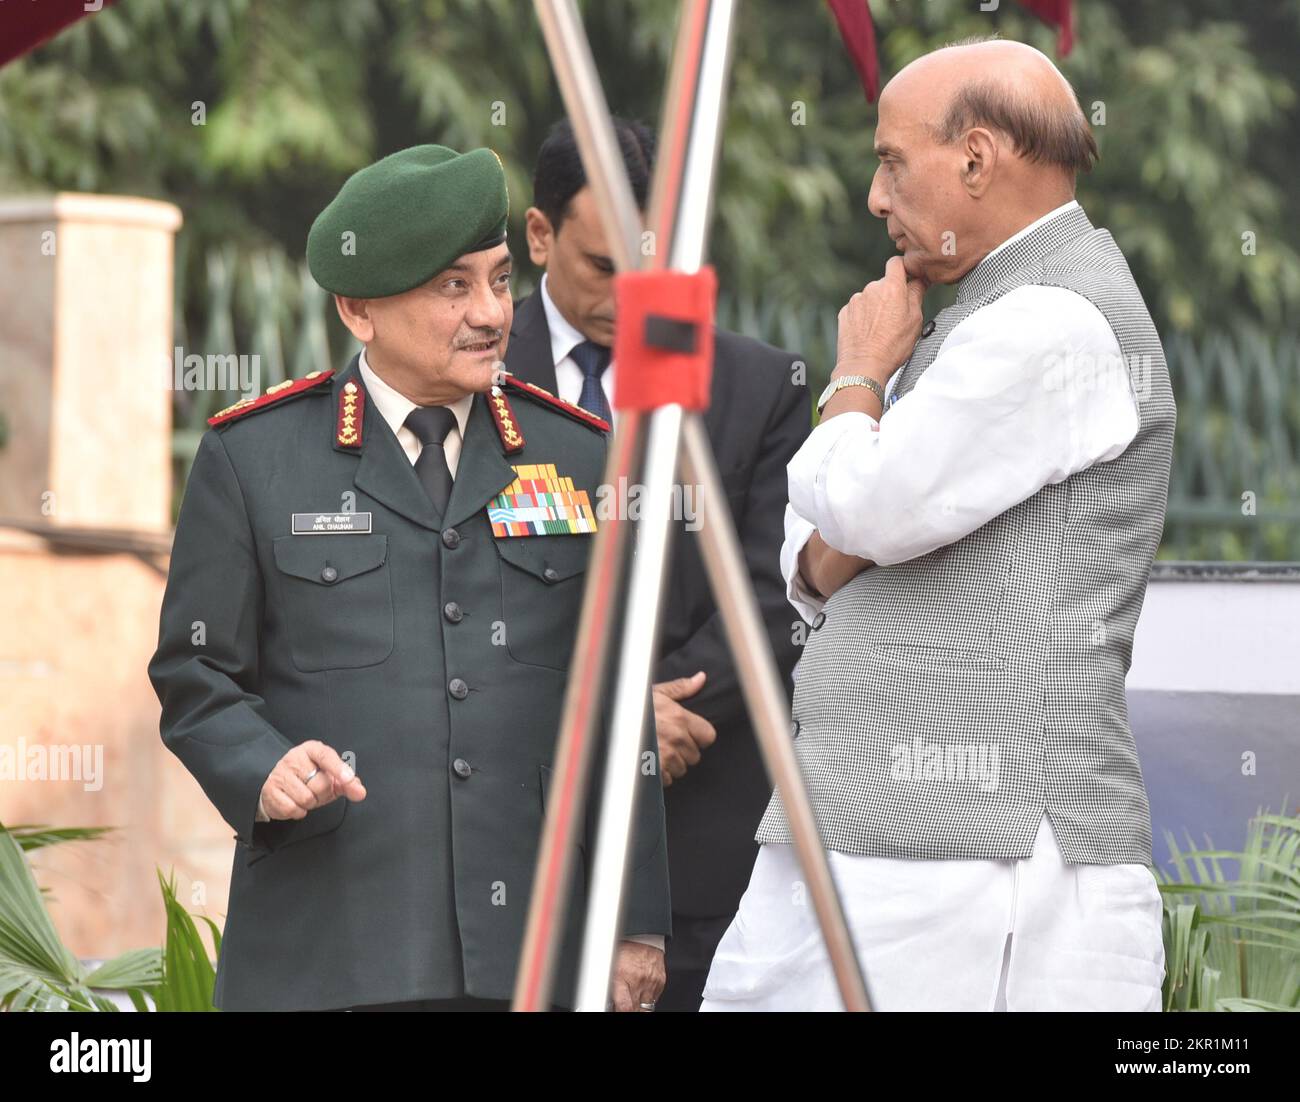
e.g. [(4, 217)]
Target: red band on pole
[(663, 348)]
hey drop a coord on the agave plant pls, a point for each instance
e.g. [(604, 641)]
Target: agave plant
[(1233, 943), (38, 972)]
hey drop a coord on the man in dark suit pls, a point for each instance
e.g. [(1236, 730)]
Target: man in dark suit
[(715, 785), (354, 593)]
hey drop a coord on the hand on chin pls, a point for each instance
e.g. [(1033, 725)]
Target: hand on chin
[(915, 268)]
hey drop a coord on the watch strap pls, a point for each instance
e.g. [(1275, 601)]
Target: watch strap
[(850, 380)]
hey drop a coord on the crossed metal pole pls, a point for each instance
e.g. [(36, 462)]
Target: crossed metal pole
[(680, 211)]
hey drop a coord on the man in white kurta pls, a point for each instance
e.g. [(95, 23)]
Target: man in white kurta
[(1003, 411)]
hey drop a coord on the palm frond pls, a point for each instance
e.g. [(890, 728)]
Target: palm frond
[(1233, 942)]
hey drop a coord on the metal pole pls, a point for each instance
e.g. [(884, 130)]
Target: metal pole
[(692, 129), (576, 72), (680, 211)]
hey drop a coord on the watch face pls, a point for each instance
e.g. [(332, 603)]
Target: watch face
[(829, 392)]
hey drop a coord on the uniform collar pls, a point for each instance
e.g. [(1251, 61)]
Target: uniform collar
[(395, 407), (386, 474)]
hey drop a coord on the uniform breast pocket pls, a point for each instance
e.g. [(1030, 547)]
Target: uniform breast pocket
[(541, 595), (337, 600)]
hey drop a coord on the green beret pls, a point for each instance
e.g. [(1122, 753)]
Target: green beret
[(399, 222)]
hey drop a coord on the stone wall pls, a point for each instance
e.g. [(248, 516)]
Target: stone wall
[(85, 466)]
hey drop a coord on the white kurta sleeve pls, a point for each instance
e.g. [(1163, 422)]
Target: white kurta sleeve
[(1023, 393), (797, 533)]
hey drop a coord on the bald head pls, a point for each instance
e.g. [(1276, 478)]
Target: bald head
[(976, 141), (1015, 63), (1009, 88)]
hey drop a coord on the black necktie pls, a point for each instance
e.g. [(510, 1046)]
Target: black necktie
[(593, 359), (431, 425)]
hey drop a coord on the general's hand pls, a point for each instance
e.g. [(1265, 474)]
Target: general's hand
[(285, 796), (639, 976), (682, 734), (879, 326)]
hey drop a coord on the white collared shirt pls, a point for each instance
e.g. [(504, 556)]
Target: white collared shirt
[(981, 431), (564, 338), (395, 407)]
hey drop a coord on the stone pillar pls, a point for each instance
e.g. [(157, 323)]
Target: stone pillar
[(86, 300), (85, 334)]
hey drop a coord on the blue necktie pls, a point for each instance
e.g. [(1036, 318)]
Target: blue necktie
[(593, 359)]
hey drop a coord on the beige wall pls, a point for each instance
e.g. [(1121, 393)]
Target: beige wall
[(74, 647), (85, 333)]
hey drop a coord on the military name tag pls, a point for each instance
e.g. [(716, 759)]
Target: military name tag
[(541, 502), (330, 524)]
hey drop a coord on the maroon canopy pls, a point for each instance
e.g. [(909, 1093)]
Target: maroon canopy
[(859, 34), (25, 25)]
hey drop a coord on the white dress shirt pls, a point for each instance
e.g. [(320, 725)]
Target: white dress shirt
[(568, 375), (1023, 393), (395, 407)]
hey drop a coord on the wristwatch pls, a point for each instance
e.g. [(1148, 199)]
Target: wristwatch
[(850, 380)]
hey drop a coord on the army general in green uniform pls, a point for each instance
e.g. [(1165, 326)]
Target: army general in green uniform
[(366, 631)]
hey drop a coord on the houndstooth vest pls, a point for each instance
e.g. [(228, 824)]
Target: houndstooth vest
[(943, 703)]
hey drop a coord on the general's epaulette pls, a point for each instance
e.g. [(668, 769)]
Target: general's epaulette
[(290, 388), (512, 440), (352, 409), (583, 416)]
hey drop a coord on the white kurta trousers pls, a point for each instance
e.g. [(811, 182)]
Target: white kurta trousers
[(1034, 934)]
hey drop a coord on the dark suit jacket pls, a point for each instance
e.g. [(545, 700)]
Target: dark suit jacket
[(434, 651), (757, 420)]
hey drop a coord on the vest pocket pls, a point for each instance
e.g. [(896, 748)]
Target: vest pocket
[(337, 600), (938, 658)]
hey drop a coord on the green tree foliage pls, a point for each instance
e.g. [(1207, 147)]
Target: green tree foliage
[(1196, 100)]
